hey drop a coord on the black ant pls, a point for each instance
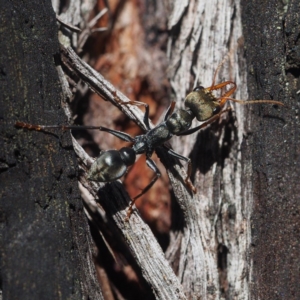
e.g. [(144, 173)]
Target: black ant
[(200, 104)]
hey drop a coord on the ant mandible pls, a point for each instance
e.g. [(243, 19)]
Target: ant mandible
[(200, 104)]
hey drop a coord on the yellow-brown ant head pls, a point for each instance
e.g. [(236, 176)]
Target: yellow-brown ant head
[(202, 103)]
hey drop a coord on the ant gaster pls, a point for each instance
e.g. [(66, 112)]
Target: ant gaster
[(200, 104)]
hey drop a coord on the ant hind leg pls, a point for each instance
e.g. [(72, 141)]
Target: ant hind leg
[(151, 164), (187, 180)]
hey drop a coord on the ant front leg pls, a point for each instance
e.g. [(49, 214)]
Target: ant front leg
[(205, 124), (227, 94), (187, 180), (222, 84), (151, 164), (190, 131)]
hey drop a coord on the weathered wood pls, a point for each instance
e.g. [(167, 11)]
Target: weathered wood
[(46, 247), (271, 31), (215, 236)]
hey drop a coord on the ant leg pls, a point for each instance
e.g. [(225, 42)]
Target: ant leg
[(211, 120), (151, 164), (170, 110), (221, 85), (227, 56), (121, 135), (187, 180), (223, 98), (136, 103)]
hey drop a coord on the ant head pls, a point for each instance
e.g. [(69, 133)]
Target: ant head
[(202, 103)]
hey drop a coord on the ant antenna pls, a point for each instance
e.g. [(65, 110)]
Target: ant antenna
[(247, 102), (240, 43), (226, 57)]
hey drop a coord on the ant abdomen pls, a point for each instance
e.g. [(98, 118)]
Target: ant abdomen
[(111, 165)]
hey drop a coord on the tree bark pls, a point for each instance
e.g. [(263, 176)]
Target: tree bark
[(46, 247), (272, 145)]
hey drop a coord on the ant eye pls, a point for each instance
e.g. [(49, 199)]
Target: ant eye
[(198, 88), (216, 110)]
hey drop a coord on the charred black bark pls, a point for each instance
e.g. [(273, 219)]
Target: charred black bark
[(271, 32), (45, 240)]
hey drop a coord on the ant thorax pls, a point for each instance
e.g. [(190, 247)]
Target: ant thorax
[(155, 137), (179, 121)]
